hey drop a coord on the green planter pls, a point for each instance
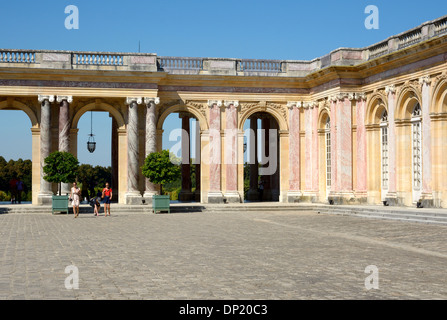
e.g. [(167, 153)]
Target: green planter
[(60, 204), (161, 203)]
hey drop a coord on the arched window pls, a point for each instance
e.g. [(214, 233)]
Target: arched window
[(327, 134), (416, 148), (384, 152)]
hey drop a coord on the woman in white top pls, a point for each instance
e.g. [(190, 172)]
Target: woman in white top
[(75, 198)]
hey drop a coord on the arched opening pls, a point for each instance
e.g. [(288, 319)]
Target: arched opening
[(16, 164), (96, 164), (181, 136), (261, 157), (107, 160)]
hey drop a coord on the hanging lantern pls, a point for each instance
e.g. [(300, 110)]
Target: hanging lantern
[(91, 144)]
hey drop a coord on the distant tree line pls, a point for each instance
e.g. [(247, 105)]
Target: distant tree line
[(90, 178)]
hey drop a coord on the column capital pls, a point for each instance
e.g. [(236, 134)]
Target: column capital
[(332, 98), (211, 103), (42, 98), (390, 89), (69, 99), (424, 80), (360, 96), (149, 100), (137, 100), (292, 104), (228, 103), (310, 105), (344, 95)]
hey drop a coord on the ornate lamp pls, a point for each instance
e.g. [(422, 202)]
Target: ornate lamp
[(91, 144)]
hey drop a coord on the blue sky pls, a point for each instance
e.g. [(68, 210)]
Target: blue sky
[(281, 29)]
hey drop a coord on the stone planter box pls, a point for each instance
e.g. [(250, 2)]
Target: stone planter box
[(161, 203), (60, 204)]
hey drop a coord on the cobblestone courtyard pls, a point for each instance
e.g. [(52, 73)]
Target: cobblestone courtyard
[(245, 255)]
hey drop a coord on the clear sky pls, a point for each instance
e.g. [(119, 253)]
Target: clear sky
[(281, 29)]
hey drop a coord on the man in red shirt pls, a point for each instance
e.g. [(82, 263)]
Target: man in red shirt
[(107, 196)]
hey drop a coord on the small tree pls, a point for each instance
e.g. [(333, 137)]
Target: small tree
[(60, 167), (160, 168)]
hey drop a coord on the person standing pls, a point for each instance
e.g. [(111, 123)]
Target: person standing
[(75, 198), (107, 196)]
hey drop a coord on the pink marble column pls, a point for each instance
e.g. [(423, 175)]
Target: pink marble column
[(64, 131), (133, 195), (215, 192), (314, 154), (230, 148), (427, 195), (361, 159), (391, 196), (334, 147), (150, 142), (308, 147), (344, 143), (294, 149), (46, 192)]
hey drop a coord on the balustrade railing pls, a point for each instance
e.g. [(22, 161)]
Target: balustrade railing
[(179, 63), (378, 50), (410, 38), (441, 27), (17, 57), (257, 65), (97, 59)]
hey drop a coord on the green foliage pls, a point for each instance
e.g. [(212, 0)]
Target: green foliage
[(20, 169), (161, 168), (60, 167)]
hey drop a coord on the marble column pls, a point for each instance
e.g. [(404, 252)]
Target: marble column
[(45, 194), (314, 151), (150, 143), (215, 193), (361, 158), (427, 192), (345, 146), (186, 194), (64, 131), (391, 196), (133, 195), (231, 193), (334, 154), (253, 194), (294, 194)]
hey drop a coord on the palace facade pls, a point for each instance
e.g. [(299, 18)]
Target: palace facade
[(358, 125)]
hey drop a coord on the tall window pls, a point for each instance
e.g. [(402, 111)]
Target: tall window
[(327, 133), (416, 142), (384, 149)]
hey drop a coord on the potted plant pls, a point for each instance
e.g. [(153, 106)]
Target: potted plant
[(161, 168), (60, 167)]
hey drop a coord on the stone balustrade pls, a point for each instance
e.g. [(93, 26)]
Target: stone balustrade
[(220, 66)]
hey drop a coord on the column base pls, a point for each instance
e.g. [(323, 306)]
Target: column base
[(232, 197), (361, 197), (215, 197), (147, 197), (294, 196), (133, 198), (44, 199), (426, 201)]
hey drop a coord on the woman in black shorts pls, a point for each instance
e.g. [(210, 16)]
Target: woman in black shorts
[(107, 196)]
